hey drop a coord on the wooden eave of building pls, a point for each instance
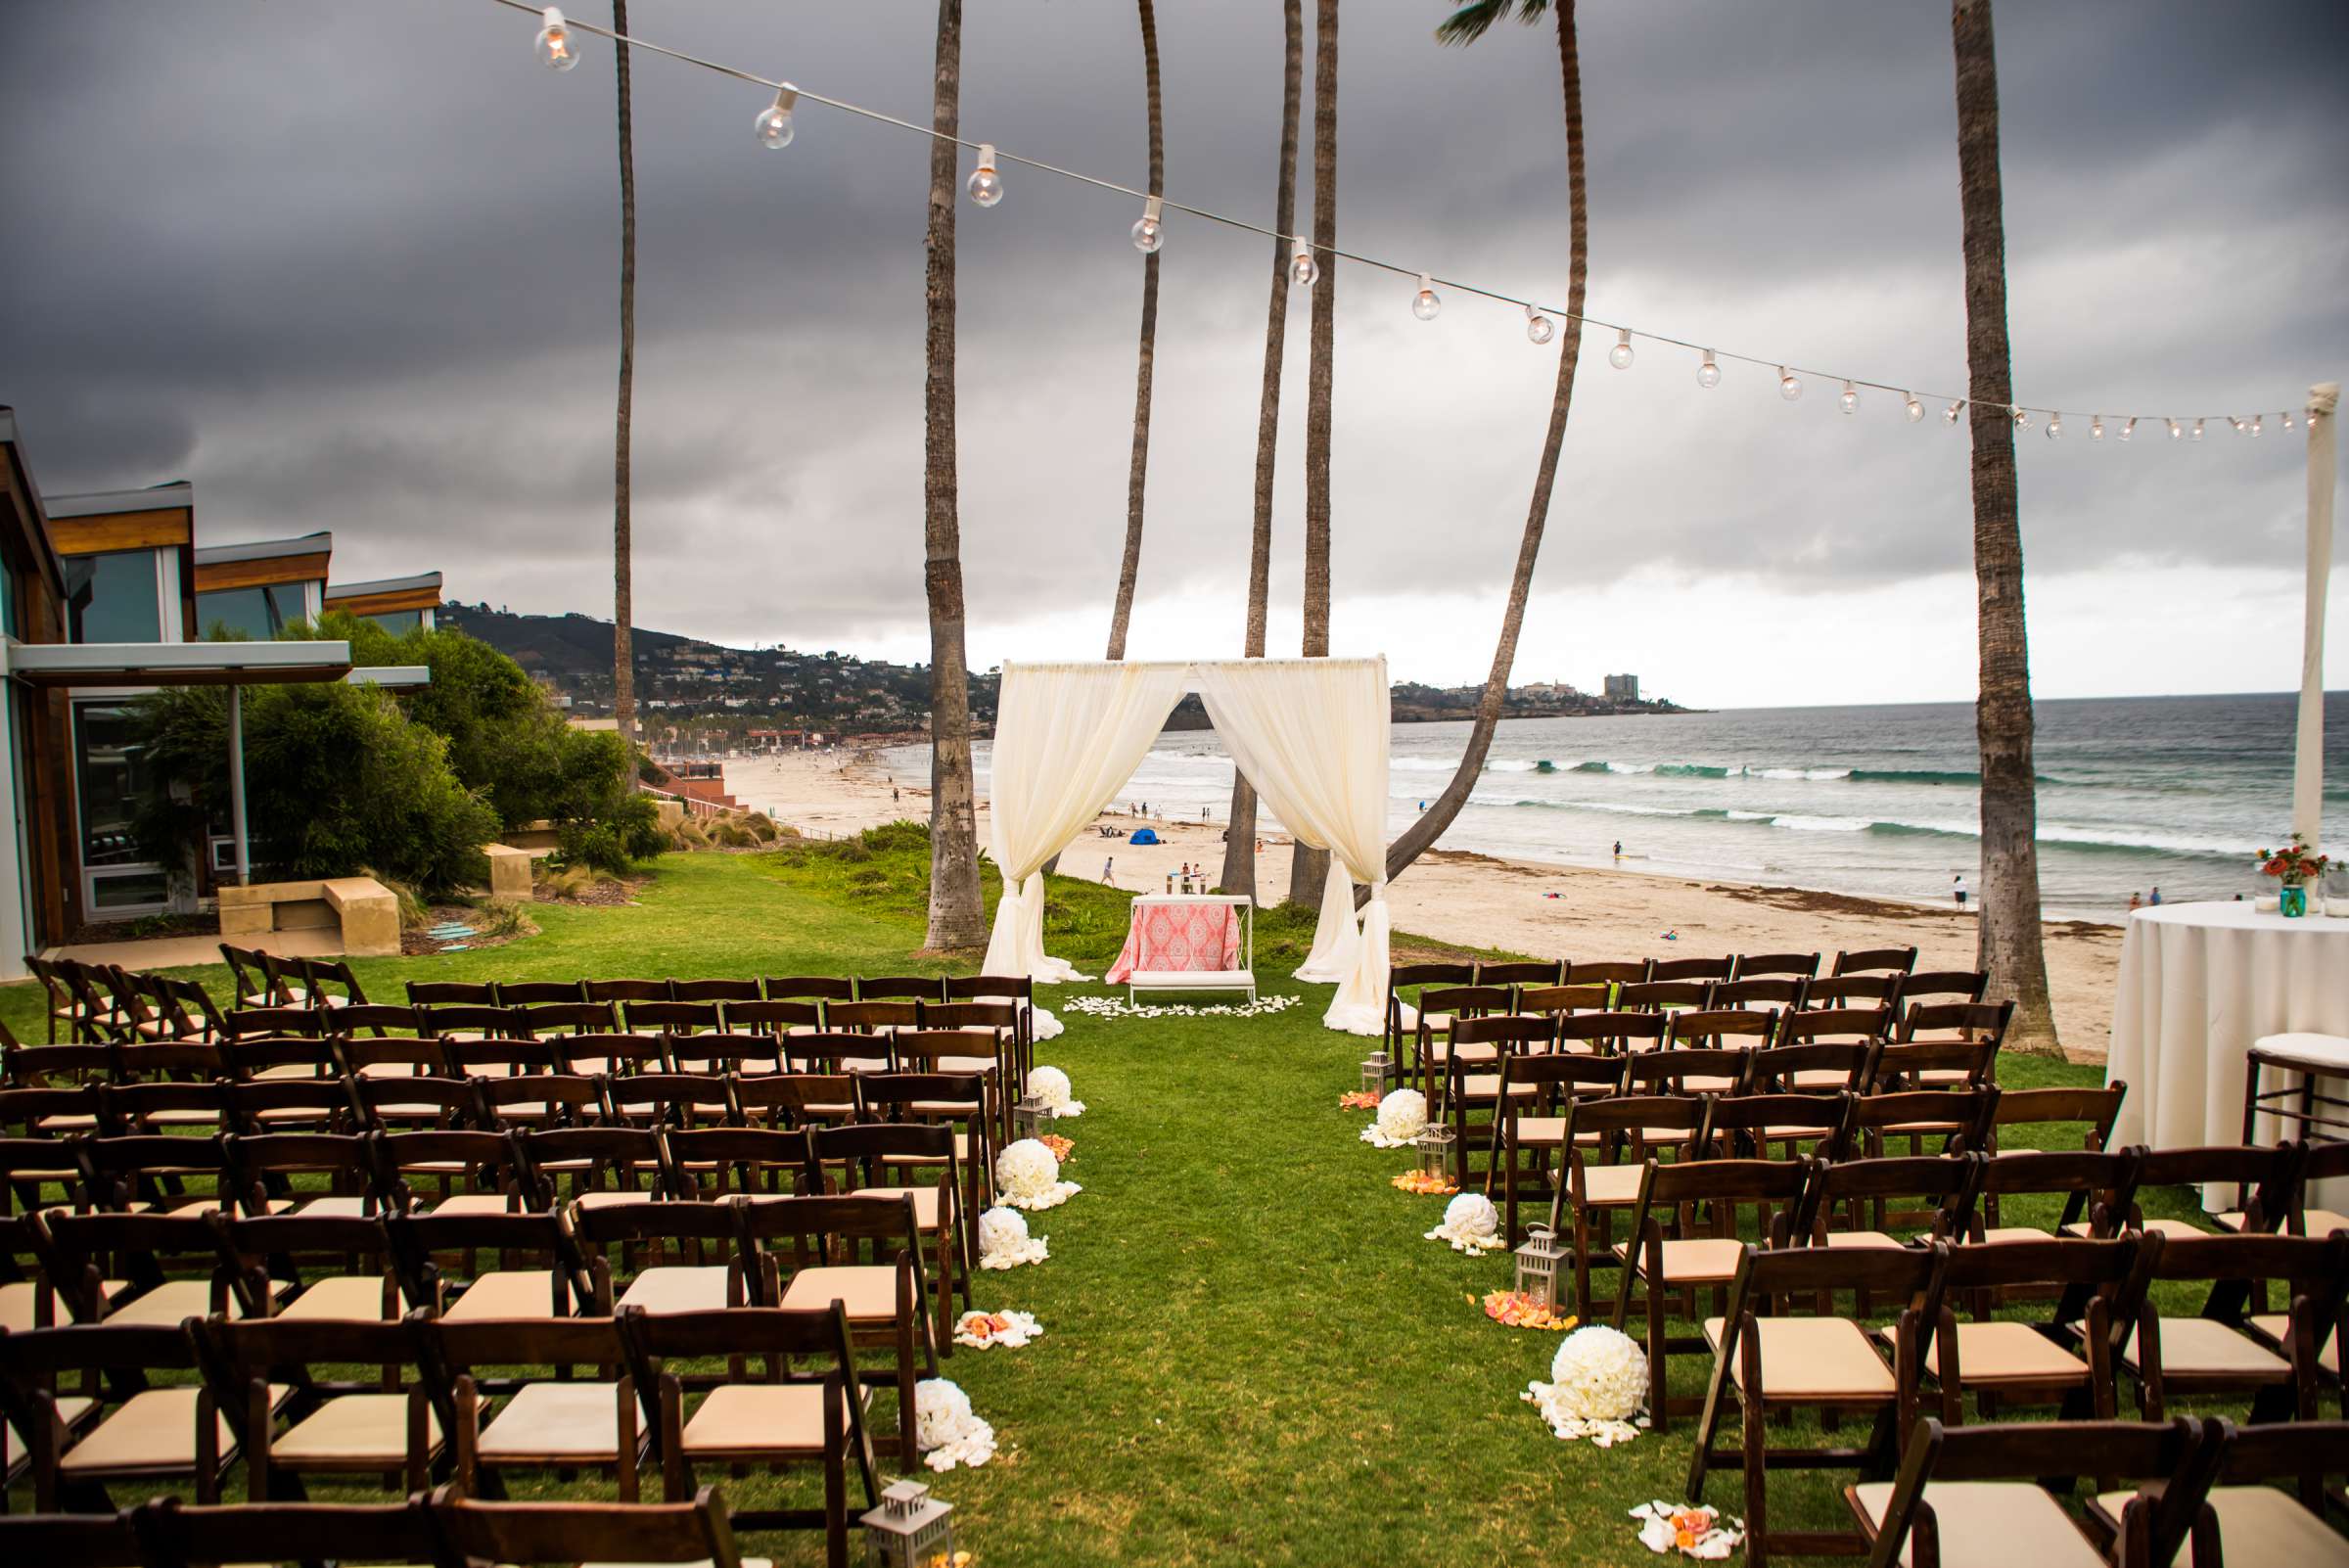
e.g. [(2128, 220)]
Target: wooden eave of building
[(101, 532), (376, 604), (215, 576)]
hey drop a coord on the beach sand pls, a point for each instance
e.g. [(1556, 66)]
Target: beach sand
[(1481, 901)]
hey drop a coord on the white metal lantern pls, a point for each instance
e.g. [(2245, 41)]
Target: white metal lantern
[(1032, 1117), (1378, 1073), (912, 1529), (1435, 1143), (1537, 1262)]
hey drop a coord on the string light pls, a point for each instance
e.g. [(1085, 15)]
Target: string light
[(773, 124), (2129, 430), (1849, 399), (1911, 409), (1149, 233), (985, 185), (1425, 304), (2256, 421), (557, 48), (2287, 422), (2095, 428), (2055, 427)]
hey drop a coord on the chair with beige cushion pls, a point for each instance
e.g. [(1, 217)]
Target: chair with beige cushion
[(2313, 1106), (265, 1166), (1473, 1084), (1964, 1497), (2194, 1357), (82, 1399), (539, 1270), (2005, 1361), (885, 1160), (1707, 1028), (2248, 1521), (1768, 1359), (1440, 1007), (2269, 1175), (1609, 1143), (1017, 992), (1416, 979), (807, 987), (1686, 1238), (2321, 1162), (2093, 1184), (793, 1100), (761, 1162), (349, 1274), (865, 1253), (1832, 1216), (952, 1100), (997, 1024), (593, 1534), (595, 1166), (711, 1267), (77, 1251), (951, 1051), (537, 1422), (448, 1170), (396, 1429), (807, 1410), (1528, 1132), (1899, 961), (767, 1028)]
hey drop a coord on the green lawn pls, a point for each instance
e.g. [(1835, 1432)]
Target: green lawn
[(1250, 1354)]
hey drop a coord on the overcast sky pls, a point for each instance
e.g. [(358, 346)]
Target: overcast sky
[(355, 267)]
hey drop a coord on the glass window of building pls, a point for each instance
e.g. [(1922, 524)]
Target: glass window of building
[(8, 598), (398, 622), (258, 613), (113, 598)]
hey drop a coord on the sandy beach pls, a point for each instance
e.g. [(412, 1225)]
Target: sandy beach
[(1484, 901)]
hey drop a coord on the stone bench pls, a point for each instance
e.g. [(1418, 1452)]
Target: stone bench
[(510, 871), (363, 909)]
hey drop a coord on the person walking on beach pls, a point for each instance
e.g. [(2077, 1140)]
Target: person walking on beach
[(1109, 872), (1619, 849), (2154, 899), (1957, 886)]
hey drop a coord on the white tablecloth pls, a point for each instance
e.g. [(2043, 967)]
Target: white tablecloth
[(2199, 982)]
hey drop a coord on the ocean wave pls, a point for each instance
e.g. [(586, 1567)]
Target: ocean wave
[(1613, 768), (1613, 807)]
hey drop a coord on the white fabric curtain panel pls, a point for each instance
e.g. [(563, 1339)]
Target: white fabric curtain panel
[(1067, 736), (1311, 736), (2308, 759)]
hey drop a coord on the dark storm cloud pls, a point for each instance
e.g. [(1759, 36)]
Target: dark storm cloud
[(354, 267)]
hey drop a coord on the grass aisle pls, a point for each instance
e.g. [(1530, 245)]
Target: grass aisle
[(1250, 1354)]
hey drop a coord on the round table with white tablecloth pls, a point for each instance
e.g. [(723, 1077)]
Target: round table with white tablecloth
[(2199, 982)]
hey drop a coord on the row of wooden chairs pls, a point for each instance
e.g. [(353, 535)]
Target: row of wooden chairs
[(1773, 1349), (445, 1528), (595, 1394)]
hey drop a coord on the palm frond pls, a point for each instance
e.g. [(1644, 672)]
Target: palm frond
[(1473, 21)]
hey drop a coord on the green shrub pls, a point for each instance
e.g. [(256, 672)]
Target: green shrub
[(413, 912)]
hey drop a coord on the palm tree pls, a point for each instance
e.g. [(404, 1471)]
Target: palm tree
[(956, 916), (1141, 469), (2008, 942), (1464, 27), (623, 593), (1239, 849), (1308, 867)]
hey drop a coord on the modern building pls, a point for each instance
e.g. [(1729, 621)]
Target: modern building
[(1623, 688), (106, 596), (398, 605)]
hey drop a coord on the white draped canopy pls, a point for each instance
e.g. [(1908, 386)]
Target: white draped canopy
[(1310, 734)]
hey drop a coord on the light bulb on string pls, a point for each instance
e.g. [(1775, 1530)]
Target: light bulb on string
[(1948, 415), (1849, 399), (774, 125), (2287, 422), (1426, 303), (2198, 429), (556, 49), (1149, 230), (2256, 421), (1302, 268), (1708, 373), (1790, 385), (1539, 327), (2022, 416), (2129, 430), (2175, 432), (2095, 427), (985, 185), (1910, 408), (2055, 426), (1620, 357)]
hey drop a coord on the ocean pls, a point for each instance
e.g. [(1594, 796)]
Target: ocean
[(2135, 793)]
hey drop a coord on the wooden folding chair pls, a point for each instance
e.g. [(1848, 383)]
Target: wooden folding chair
[(320, 974), (1686, 1238), (172, 1534), (959, 1053), (1874, 962), (1750, 966), (1535, 1125), (1945, 985), (1982, 1024), (607, 1167), (1610, 1033), (667, 1100), (2270, 1177), (770, 1029), (839, 1051), (2247, 1521), (1416, 978), (694, 1285), (1663, 996), (2068, 1360), (262, 1166), (541, 1271), (714, 990), (553, 1020), (757, 1161), (901, 988), (482, 1535), (75, 1540), (557, 1424), (109, 1267), (814, 1415), (1016, 990), (467, 1022), (262, 1259), (1882, 990), (1779, 994), (1562, 1002), (1707, 1028), (249, 978), (2194, 1357), (793, 1099), (955, 1101), (1439, 1009), (1707, 970), (1474, 1050), (527, 1100), (1622, 1132), (127, 1172), (1963, 1497), (628, 990), (398, 1431), (537, 993), (1766, 1360), (807, 987), (2088, 1180), (1830, 1216), (1515, 974), (451, 992), (886, 1160), (473, 1171)]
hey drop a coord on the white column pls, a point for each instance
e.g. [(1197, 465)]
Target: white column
[(2308, 760), (236, 783)]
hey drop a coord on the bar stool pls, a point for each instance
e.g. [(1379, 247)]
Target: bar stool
[(2316, 1058)]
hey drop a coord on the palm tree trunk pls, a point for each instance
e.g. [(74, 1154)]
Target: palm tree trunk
[(1439, 813), (1239, 849), (956, 914), (1309, 868), (1141, 469), (2008, 945), (624, 593)]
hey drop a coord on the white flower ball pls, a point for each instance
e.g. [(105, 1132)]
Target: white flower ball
[(1052, 1085), (1003, 1231), (1403, 1115), (1026, 1169), (1599, 1374), (1471, 1213), (942, 1412)]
